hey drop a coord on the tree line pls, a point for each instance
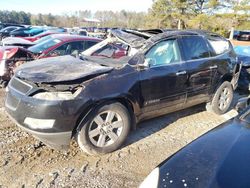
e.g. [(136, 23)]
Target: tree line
[(214, 15)]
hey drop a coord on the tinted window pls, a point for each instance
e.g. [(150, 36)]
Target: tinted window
[(163, 53), (195, 47), (73, 46), (90, 44), (59, 51), (68, 48)]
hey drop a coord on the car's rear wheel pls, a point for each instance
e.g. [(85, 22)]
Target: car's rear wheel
[(106, 131), (222, 99)]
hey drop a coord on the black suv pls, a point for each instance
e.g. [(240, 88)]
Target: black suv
[(99, 100)]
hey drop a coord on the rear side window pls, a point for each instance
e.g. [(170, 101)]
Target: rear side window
[(195, 47), (61, 50), (77, 45)]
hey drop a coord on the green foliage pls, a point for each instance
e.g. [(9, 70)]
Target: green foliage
[(213, 15), (123, 19), (15, 17)]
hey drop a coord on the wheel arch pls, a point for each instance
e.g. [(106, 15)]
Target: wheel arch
[(89, 112), (226, 77)]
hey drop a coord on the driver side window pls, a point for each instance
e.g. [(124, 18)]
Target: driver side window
[(61, 50), (164, 53)]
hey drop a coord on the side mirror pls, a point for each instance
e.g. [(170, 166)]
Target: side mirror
[(148, 62), (242, 104), (144, 65)]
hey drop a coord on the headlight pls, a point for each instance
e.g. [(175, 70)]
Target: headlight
[(57, 96), (151, 180)]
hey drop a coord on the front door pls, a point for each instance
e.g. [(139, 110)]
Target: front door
[(163, 85)]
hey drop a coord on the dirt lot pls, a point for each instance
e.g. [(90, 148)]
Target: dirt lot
[(25, 162), (240, 43)]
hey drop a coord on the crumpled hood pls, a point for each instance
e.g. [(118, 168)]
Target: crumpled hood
[(59, 69)]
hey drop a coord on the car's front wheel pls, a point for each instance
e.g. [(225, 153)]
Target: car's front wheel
[(106, 131), (222, 99), (3, 83)]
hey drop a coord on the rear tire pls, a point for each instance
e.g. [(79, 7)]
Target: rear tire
[(222, 99), (106, 131)]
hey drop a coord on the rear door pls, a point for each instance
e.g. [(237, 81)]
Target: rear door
[(201, 68)]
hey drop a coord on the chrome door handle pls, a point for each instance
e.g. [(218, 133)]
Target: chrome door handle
[(213, 67), (181, 73)]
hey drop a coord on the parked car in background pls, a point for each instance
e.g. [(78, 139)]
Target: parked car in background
[(219, 158), (5, 32), (3, 25), (81, 32), (243, 53), (56, 45), (27, 32), (242, 35), (98, 100), (41, 35), (21, 42)]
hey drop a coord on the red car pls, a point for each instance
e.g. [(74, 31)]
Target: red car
[(58, 45)]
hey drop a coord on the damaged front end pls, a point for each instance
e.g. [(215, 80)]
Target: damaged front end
[(47, 100), (243, 53), (11, 59), (244, 79)]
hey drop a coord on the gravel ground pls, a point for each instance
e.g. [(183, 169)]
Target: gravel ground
[(26, 162)]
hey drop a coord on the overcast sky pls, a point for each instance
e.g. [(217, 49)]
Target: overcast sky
[(64, 6)]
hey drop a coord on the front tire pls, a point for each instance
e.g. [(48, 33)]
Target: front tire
[(106, 131), (3, 83), (222, 99)]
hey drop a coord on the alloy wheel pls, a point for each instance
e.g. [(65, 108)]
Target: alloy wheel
[(105, 128), (224, 98)]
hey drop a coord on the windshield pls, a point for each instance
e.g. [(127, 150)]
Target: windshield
[(42, 46)]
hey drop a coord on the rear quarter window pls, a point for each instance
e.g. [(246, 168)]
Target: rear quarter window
[(219, 45)]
